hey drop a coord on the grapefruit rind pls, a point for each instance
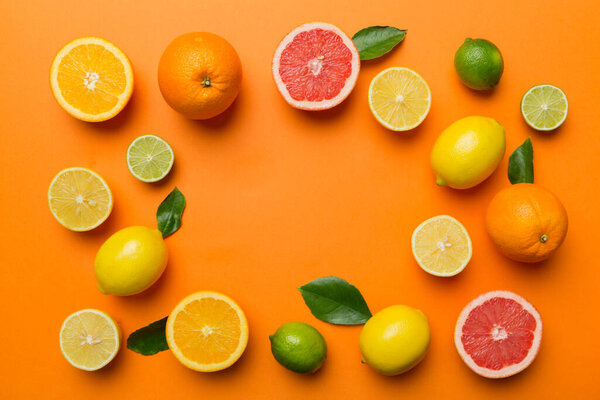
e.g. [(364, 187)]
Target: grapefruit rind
[(508, 370), (242, 343), (350, 81)]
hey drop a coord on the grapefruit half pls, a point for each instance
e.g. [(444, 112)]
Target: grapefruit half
[(498, 334), (315, 66)]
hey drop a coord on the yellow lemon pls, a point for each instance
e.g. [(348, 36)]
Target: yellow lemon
[(90, 339), (130, 261), (395, 339), (468, 151)]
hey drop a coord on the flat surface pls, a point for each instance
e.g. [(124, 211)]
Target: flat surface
[(277, 197)]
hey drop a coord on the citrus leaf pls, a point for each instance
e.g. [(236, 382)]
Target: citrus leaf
[(168, 215), (150, 339), (520, 164), (334, 300), (375, 41)]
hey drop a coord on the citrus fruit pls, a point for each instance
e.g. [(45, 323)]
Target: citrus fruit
[(467, 152), (315, 66), (526, 222), (442, 246), (498, 334), (149, 158), (79, 199), (479, 64), (89, 339), (399, 98), (395, 339), (130, 261), (207, 331), (91, 79), (298, 347), (544, 107), (200, 75)]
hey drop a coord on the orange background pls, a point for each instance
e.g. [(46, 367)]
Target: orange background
[(277, 197)]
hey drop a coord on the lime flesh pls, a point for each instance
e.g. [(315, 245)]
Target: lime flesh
[(149, 158), (544, 107)]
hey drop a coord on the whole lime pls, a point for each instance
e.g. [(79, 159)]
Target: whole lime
[(468, 151), (395, 339), (130, 261), (298, 347), (479, 64)]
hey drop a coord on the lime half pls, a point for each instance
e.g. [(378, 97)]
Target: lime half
[(544, 107), (149, 158)]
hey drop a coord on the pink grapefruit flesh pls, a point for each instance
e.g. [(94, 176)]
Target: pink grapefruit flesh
[(315, 66), (498, 334)]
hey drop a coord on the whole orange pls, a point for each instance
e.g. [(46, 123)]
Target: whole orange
[(526, 222), (199, 75)]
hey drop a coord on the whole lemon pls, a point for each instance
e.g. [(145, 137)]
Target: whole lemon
[(130, 261), (468, 151), (395, 339)]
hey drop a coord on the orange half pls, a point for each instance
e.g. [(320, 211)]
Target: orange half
[(91, 79), (207, 331)]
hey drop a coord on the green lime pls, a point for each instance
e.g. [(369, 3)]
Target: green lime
[(299, 347), (544, 107), (479, 64), (149, 158)]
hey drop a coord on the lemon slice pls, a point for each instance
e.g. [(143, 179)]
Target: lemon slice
[(149, 158), (442, 246), (79, 199), (399, 98), (89, 339), (91, 79), (544, 107), (207, 331)]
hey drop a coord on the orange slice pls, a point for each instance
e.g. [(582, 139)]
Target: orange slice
[(91, 79), (207, 331)]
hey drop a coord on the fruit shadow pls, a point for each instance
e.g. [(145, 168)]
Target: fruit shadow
[(403, 378), (331, 114), (402, 136), (542, 135), (226, 376), (118, 122), (220, 123), (141, 299)]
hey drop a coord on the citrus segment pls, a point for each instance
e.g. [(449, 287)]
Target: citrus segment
[(149, 158), (89, 339), (544, 107), (399, 98), (498, 334), (207, 331), (442, 246), (79, 199), (91, 79), (315, 66)]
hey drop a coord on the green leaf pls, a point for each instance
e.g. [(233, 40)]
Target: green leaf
[(150, 339), (520, 164), (168, 215), (334, 300), (375, 41)]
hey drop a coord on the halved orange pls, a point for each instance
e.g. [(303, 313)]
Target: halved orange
[(91, 79), (207, 331)]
